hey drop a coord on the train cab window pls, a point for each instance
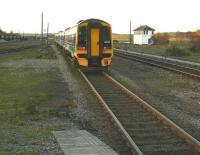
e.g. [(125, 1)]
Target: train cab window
[(82, 38), (106, 38)]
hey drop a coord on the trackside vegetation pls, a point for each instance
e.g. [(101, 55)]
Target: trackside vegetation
[(179, 45), (33, 99)]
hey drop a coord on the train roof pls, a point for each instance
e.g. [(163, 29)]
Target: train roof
[(67, 28), (91, 20)]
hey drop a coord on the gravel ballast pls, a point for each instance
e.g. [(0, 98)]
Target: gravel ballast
[(88, 113), (174, 95)]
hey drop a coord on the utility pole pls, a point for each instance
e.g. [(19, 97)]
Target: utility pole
[(130, 37), (47, 34), (42, 29)]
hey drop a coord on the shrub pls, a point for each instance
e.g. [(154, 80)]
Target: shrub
[(194, 48), (195, 44), (115, 41), (160, 39), (176, 51)]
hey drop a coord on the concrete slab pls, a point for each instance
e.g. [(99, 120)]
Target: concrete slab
[(81, 142)]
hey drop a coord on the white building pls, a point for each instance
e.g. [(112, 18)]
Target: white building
[(142, 35)]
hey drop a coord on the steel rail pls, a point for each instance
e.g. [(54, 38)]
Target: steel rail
[(164, 120), (117, 122), (195, 73), (183, 134)]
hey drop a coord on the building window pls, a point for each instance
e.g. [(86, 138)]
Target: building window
[(145, 32)]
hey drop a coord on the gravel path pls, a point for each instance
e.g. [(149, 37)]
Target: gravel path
[(176, 96)]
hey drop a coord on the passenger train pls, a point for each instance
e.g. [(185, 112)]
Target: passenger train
[(88, 43)]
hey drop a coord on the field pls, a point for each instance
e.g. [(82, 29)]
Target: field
[(161, 50), (120, 37), (32, 101)]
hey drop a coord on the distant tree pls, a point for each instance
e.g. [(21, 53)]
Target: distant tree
[(2, 33), (161, 38), (189, 34), (195, 41)]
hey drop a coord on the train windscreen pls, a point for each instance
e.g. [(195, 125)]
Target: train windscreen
[(82, 38), (106, 37)]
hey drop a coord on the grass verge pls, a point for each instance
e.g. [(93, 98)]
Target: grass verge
[(161, 50), (33, 99)]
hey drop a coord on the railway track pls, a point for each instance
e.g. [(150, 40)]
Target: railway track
[(192, 72), (146, 130)]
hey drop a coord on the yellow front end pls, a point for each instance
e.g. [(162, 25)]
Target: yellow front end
[(93, 50), (79, 56), (107, 61)]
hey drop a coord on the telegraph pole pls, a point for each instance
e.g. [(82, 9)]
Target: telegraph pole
[(130, 37), (42, 29), (47, 34)]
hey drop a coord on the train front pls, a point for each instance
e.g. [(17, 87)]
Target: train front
[(94, 40)]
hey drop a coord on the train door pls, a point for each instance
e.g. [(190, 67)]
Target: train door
[(95, 42)]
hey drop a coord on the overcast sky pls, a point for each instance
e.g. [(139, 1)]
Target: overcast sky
[(163, 16)]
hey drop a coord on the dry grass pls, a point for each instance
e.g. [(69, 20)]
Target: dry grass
[(121, 37)]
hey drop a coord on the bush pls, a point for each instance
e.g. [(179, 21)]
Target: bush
[(160, 39), (195, 44), (176, 51), (115, 41), (194, 48)]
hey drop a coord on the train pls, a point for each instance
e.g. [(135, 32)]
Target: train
[(88, 43)]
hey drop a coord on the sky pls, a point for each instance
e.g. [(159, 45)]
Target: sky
[(164, 16)]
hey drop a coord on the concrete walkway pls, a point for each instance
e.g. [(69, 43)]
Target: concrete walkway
[(81, 142), (164, 58)]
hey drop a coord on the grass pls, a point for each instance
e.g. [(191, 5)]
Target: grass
[(16, 44), (28, 98), (120, 37), (161, 50)]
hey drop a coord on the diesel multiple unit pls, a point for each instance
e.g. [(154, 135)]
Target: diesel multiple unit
[(88, 43)]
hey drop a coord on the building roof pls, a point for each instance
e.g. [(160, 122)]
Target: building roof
[(143, 27)]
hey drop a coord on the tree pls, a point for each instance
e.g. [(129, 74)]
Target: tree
[(2, 33)]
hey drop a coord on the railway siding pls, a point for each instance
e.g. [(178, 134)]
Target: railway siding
[(162, 58), (192, 72)]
